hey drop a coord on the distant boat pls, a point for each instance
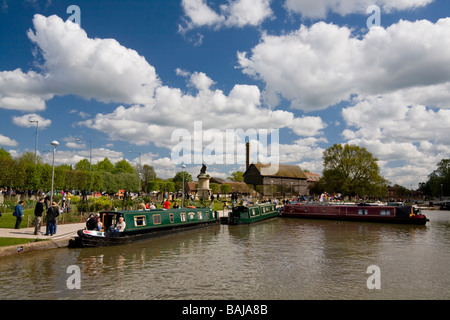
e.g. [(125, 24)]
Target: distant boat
[(250, 214), (362, 212), (142, 224)]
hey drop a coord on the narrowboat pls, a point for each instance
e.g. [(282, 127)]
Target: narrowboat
[(252, 213), (143, 224), (361, 212)]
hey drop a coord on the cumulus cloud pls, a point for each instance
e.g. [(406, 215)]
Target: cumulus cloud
[(25, 121), (236, 13), (324, 64), (73, 157), (401, 135), (240, 109), (319, 9), (100, 69), (5, 141)]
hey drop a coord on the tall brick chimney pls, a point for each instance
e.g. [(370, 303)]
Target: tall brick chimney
[(247, 154)]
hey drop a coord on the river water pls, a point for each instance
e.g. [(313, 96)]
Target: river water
[(282, 258)]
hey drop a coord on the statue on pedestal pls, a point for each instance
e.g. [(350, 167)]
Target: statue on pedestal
[(203, 190)]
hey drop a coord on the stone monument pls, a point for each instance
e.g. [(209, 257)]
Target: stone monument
[(203, 190)]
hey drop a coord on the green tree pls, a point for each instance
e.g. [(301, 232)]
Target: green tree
[(178, 179), (83, 165), (438, 181), (352, 170), (214, 187), (237, 176), (225, 188), (104, 166), (4, 154), (148, 174), (123, 166), (153, 186)]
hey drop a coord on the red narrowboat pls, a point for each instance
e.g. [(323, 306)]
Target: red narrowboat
[(361, 212)]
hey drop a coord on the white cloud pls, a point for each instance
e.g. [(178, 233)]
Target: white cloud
[(73, 157), (236, 13), (319, 9), (24, 121), (5, 141), (415, 136), (324, 64), (98, 69)]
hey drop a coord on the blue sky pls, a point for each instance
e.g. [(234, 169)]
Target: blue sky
[(134, 72)]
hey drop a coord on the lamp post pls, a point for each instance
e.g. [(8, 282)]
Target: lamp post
[(183, 167), (36, 141), (90, 152), (54, 143)]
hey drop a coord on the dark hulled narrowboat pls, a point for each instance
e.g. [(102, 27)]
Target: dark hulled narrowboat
[(142, 224), (253, 213), (363, 212)]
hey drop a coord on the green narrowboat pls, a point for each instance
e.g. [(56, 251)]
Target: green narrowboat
[(252, 213), (143, 224)]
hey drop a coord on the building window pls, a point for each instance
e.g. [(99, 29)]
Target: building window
[(139, 221), (156, 219)]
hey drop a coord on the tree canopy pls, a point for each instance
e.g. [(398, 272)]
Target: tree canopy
[(438, 181), (352, 170)]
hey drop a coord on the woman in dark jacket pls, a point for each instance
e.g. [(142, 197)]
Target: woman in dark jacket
[(52, 215)]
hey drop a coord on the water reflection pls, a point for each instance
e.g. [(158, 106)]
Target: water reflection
[(277, 259)]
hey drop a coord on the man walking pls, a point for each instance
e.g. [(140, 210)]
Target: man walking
[(38, 210), (18, 213)]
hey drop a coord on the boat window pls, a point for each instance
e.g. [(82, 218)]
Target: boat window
[(363, 211), (191, 215), (171, 217), (199, 215), (207, 215), (183, 216), (156, 219), (139, 221), (324, 210), (385, 212)]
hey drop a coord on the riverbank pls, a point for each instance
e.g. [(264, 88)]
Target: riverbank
[(65, 233)]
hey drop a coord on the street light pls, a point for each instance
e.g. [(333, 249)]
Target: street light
[(54, 143), (183, 167), (90, 152), (36, 141)]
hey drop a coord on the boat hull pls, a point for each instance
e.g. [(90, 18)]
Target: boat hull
[(145, 224), (379, 214), (252, 214), (87, 239)]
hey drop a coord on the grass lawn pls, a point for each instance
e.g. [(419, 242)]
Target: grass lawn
[(14, 241)]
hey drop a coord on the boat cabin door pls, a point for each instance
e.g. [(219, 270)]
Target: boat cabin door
[(108, 219)]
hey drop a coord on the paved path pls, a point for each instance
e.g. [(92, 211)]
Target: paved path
[(62, 231)]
